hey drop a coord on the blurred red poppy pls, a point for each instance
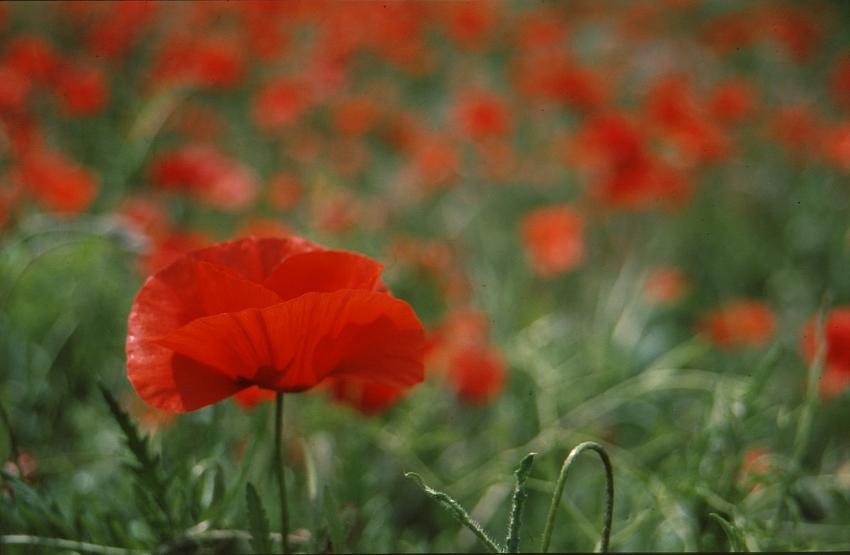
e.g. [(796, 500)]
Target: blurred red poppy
[(554, 239), (81, 89), (217, 179), (58, 183), (367, 397), (477, 373), (665, 285), (483, 115), (281, 314), (739, 323), (836, 376)]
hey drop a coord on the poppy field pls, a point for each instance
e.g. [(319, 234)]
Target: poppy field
[(343, 277)]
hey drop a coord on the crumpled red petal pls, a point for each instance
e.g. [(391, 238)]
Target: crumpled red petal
[(323, 271), (294, 345)]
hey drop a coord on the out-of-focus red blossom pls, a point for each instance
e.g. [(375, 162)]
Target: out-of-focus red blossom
[(459, 353), (554, 78), (56, 182), (31, 56), (252, 396), (739, 323), (215, 61), (355, 116), (265, 35), (795, 27), (836, 376), (469, 24), (435, 161), (150, 419), (840, 81), (477, 374), (836, 146), (796, 128), (264, 227), (684, 122), (213, 177), (24, 134), (369, 398), (280, 314), (14, 89), (553, 237), (665, 285), (166, 250), (144, 216), (611, 150), (81, 89), (116, 31), (483, 115), (732, 101), (540, 31), (280, 102), (285, 191), (461, 327)]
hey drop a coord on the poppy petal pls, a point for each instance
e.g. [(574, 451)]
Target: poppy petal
[(323, 271), (158, 376), (253, 258), (294, 345)]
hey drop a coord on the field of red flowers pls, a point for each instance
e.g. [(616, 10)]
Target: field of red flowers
[(316, 276)]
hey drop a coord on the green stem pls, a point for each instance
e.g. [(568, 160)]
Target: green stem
[(559, 490), (280, 470)]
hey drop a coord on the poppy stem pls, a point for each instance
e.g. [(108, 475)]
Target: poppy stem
[(280, 470), (559, 490)]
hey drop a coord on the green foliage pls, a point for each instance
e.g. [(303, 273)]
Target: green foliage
[(258, 522)]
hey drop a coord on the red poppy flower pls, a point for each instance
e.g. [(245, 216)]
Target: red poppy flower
[(367, 397), (482, 115), (280, 103), (733, 100), (81, 89), (665, 285), (280, 314), (58, 183), (214, 177), (477, 373), (554, 239), (836, 376), (740, 323), (32, 57)]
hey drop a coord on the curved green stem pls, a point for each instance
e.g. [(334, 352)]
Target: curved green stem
[(559, 490), (279, 469)]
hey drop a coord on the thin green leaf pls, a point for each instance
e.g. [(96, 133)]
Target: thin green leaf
[(335, 528), (258, 521)]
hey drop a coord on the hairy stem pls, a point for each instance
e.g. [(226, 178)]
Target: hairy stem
[(559, 490)]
